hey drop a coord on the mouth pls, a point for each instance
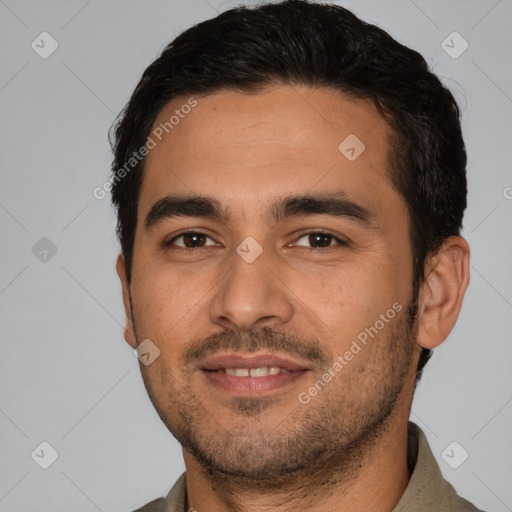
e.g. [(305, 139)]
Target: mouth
[(261, 371), (252, 374)]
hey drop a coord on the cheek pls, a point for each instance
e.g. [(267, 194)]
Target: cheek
[(345, 300), (161, 302)]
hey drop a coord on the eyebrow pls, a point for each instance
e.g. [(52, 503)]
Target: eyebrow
[(335, 204), (184, 206)]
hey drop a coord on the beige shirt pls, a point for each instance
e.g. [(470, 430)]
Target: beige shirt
[(427, 490)]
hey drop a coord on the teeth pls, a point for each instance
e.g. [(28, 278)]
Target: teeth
[(255, 372), (259, 372)]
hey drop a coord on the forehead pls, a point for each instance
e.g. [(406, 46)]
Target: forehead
[(280, 141)]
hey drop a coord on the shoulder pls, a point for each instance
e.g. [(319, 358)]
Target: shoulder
[(428, 490), (157, 505), (173, 502)]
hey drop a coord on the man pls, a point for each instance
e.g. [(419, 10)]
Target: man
[(290, 186)]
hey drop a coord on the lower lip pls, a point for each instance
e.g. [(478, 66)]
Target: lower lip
[(250, 386)]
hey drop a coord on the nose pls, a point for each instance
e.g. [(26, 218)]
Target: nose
[(251, 295)]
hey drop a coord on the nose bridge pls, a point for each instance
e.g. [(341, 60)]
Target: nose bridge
[(250, 294)]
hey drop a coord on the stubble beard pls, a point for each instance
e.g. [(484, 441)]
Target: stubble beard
[(327, 439)]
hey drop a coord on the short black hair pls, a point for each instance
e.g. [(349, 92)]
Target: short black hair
[(295, 42)]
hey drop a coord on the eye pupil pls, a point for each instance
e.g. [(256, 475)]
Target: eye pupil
[(320, 239), (193, 239)]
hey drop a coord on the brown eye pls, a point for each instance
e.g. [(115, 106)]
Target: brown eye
[(320, 239), (194, 240), (317, 240), (191, 240)]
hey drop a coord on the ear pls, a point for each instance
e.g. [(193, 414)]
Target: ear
[(129, 330), (441, 295)]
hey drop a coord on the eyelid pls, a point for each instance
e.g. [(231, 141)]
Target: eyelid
[(189, 231), (340, 241)]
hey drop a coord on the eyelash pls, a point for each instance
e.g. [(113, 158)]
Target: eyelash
[(339, 241)]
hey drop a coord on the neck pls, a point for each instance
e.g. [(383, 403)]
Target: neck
[(376, 481)]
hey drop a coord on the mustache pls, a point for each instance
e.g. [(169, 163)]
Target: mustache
[(254, 340)]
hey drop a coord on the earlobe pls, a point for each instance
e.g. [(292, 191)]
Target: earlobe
[(129, 331), (442, 293)]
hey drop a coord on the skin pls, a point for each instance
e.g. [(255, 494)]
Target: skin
[(270, 452)]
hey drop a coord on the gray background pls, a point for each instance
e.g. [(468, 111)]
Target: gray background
[(68, 377)]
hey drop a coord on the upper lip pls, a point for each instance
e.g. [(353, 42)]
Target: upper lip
[(219, 361)]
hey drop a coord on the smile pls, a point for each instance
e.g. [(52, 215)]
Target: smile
[(262, 371), (252, 374)]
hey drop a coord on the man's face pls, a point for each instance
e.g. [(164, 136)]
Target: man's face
[(255, 308)]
